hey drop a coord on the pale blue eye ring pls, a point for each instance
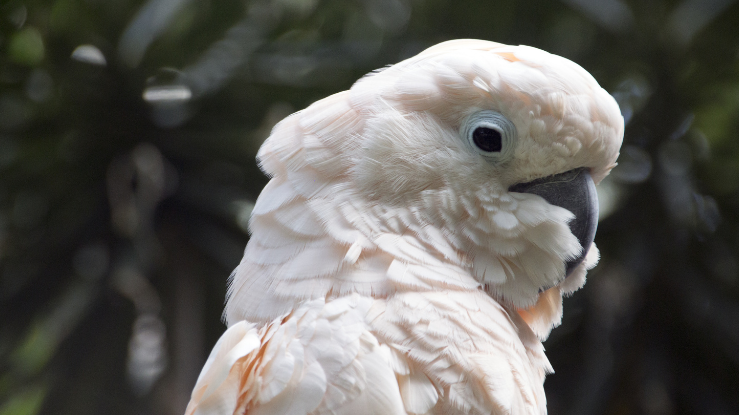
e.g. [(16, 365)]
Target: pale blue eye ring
[(490, 134)]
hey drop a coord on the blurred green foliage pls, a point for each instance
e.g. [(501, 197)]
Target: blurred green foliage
[(128, 131)]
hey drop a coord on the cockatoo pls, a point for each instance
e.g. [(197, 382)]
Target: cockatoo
[(413, 245)]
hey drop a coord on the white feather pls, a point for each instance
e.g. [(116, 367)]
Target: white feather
[(389, 270), (418, 392), (280, 192)]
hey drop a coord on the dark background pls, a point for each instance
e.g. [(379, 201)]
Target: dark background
[(128, 131)]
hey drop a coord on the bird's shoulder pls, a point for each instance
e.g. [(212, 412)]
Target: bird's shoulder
[(320, 358), (415, 352)]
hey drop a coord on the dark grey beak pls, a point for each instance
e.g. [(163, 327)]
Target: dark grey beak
[(575, 191)]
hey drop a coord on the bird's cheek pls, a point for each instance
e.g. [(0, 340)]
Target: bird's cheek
[(573, 190)]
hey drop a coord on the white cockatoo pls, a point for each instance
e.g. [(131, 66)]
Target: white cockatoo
[(413, 245)]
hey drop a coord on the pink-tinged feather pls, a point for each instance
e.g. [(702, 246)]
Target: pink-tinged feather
[(390, 271)]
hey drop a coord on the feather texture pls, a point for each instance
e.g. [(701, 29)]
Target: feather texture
[(390, 270), (321, 358)]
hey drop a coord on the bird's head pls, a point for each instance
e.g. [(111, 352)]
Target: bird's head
[(480, 155), (491, 126)]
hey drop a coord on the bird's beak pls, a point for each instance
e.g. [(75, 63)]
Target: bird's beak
[(573, 190)]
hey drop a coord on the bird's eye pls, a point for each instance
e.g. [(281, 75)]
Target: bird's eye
[(490, 134), (487, 139)]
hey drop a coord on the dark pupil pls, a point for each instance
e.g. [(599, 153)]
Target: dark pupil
[(487, 139)]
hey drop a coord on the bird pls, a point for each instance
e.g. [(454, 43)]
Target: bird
[(411, 249)]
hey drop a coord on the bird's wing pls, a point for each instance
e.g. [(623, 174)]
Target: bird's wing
[(319, 359)]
